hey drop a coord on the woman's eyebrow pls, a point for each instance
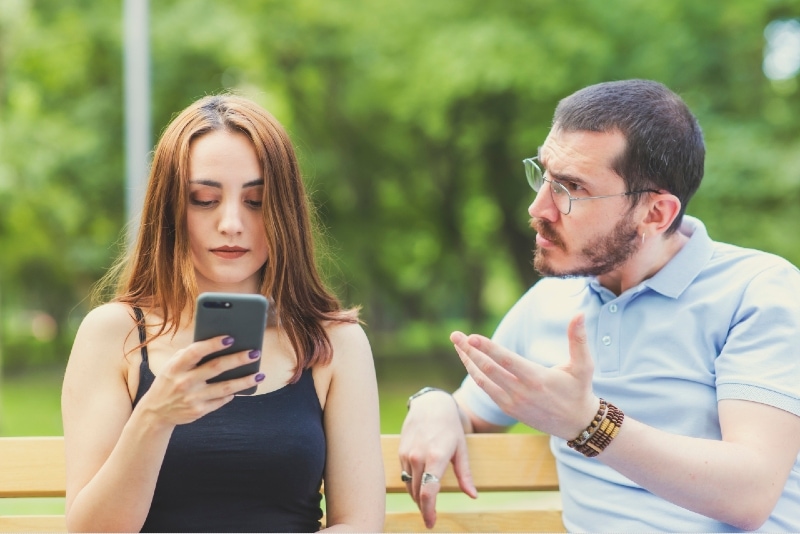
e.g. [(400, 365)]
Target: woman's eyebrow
[(209, 183), (213, 183)]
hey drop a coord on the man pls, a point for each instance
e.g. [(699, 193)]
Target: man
[(664, 365)]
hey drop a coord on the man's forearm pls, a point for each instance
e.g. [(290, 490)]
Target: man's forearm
[(734, 482)]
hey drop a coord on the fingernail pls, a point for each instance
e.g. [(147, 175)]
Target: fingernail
[(260, 377), (227, 341), (254, 354)]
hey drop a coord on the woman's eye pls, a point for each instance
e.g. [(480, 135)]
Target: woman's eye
[(201, 203), (255, 204)]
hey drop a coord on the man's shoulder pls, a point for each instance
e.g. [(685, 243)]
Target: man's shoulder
[(744, 262)]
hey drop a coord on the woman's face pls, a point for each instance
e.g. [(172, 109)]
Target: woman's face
[(227, 239)]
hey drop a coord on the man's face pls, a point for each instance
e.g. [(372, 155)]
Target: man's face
[(598, 236)]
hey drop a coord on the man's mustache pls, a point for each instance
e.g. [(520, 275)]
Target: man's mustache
[(544, 229)]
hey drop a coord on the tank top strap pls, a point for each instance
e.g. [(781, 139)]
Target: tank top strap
[(146, 377), (142, 332)]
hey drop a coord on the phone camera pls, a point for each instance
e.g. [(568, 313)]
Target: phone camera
[(217, 304)]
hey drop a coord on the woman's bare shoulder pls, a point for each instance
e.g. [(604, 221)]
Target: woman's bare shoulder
[(350, 343), (108, 325), (112, 316), (345, 332)]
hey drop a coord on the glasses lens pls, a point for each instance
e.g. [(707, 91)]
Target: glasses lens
[(533, 173), (560, 197)]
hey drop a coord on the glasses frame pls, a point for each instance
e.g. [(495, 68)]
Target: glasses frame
[(536, 179)]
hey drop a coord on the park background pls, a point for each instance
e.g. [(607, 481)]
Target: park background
[(411, 119)]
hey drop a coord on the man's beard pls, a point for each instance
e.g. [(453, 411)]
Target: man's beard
[(599, 257)]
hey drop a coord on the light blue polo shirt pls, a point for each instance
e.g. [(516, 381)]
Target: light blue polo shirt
[(717, 322)]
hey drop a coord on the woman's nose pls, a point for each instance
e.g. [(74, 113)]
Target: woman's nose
[(231, 221)]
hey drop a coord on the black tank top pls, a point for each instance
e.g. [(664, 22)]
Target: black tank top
[(253, 465)]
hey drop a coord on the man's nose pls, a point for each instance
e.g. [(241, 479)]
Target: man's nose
[(543, 206)]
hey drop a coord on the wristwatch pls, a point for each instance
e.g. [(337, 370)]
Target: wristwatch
[(423, 391)]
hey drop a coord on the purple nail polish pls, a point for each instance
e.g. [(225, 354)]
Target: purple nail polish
[(254, 354), (260, 377), (227, 341)]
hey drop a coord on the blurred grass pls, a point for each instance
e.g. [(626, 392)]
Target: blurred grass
[(30, 405)]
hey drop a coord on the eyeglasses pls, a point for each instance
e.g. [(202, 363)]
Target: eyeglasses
[(558, 191)]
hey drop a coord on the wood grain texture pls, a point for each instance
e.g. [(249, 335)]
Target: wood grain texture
[(34, 467)]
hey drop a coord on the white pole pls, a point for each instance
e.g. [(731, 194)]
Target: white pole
[(137, 110), (1, 366)]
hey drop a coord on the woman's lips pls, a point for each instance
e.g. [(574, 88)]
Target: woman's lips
[(229, 253)]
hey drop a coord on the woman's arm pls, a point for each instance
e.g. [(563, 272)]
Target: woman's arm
[(355, 488), (108, 452), (114, 453)]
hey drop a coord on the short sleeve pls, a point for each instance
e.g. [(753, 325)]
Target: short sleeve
[(760, 361), (509, 335)]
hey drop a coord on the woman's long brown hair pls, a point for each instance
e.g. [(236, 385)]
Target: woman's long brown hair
[(159, 273)]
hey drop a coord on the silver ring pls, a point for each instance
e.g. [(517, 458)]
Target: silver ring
[(404, 476), (429, 477)]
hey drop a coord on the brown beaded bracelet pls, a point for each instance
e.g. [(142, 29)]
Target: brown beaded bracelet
[(603, 428), (587, 434)]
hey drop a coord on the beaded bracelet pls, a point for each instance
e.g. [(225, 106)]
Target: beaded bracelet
[(603, 428)]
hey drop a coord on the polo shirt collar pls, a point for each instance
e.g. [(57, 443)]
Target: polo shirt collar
[(686, 265), (683, 268)]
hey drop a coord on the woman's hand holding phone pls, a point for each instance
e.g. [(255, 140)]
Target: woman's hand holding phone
[(183, 391), (223, 361)]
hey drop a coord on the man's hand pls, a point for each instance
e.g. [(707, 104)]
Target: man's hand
[(558, 400), (433, 436)]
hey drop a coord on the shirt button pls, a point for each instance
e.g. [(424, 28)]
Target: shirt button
[(606, 340), (612, 308)]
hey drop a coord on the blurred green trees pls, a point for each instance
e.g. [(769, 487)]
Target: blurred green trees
[(411, 118)]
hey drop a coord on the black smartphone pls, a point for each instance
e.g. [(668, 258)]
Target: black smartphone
[(240, 315)]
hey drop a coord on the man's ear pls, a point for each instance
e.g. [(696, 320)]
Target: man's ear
[(663, 208)]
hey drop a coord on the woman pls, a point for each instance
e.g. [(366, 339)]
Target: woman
[(150, 445)]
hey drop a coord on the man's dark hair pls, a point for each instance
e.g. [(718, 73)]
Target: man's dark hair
[(665, 148)]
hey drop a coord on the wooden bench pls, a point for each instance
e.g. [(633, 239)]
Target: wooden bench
[(34, 467)]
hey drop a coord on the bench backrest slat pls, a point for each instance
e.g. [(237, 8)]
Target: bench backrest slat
[(479, 521), (33, 523), (498, 462), (34, 467)]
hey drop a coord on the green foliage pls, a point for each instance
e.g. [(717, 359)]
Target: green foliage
[(411, 119)]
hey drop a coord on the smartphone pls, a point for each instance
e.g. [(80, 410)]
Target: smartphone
[(240, 315)]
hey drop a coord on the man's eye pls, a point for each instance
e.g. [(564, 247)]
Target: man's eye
[(572, 186)]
